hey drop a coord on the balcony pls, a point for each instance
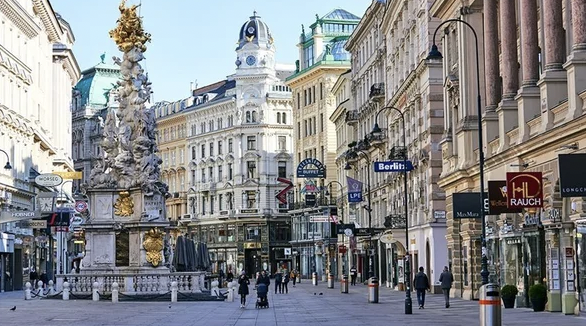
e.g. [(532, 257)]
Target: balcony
[(398, 153), (352, 117), (376, 139), (377, 92), (395, 222)]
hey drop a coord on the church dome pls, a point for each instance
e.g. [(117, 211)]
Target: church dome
[(255, 31)]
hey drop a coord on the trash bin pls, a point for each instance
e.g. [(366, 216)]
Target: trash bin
[(344, 284), (330, 281), (314, 278), (373, 290), (490, 305)]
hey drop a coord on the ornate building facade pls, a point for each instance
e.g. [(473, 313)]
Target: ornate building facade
[(239, 143), (532, 54), (37, 71), (322, 59)]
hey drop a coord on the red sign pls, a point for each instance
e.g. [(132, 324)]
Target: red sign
[(282, 195), (524, 189), (342, 249)]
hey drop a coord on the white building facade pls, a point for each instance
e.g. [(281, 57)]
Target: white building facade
[(37, 71)]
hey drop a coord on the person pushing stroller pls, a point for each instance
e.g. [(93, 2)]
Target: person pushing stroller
[(262, 290)]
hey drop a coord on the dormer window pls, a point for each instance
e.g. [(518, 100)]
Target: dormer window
[(251, 116)]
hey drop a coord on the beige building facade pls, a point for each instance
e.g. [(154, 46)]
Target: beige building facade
[(532, 63)]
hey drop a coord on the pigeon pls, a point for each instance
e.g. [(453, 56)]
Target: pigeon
[(314, 293), (169, 306), (321, 293), (13, 308)]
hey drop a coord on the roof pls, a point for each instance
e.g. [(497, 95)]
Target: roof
[(96, 83), (284, 74), (340, 14)]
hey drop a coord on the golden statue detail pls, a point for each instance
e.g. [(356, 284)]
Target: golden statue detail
[(129, 32), (124, 205), (153, 244)]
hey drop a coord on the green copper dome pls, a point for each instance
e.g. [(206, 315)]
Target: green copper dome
[(96, 83)]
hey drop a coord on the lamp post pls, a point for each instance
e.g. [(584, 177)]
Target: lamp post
[(61, 243), (376, 130), (329, 193), (369, 210), (7, 166), (435, 54)]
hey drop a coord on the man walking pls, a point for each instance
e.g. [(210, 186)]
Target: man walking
[(278, 280), (353, 275), (446, 279), (421, 284)]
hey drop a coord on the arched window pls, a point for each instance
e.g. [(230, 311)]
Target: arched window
[(248, 118), (284, 117), (253, 116), (278, 117)]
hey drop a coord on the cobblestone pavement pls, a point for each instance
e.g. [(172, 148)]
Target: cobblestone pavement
[(299, 307)]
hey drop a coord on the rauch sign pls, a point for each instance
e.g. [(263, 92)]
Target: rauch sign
[(524, 189)]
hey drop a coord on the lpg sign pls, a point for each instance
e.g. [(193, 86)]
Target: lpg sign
[(48, 180)]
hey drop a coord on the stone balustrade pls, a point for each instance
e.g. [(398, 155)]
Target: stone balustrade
[(133, 284)]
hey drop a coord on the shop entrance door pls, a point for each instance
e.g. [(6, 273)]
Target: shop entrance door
[(252, 263)]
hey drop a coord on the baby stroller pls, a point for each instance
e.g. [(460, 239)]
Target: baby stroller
[(261, 296)]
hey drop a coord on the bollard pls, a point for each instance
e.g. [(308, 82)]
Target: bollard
[(115, 287), (490, 305), (174, 291), (298, 278), (344, 284), (323, 277), (40, 287), (314, 278), (51, 288), (330, 281), (230, 297), (27, 291), (95, 294), (373, 290), (215, 289), (65, 290)]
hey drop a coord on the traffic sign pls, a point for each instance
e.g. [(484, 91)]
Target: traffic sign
[(80, 206), (319, 218)]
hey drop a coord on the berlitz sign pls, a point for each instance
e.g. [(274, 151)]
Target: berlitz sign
[(524, 189), (392, 166)]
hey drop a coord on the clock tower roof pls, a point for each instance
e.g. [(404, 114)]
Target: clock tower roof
[(255, 31)]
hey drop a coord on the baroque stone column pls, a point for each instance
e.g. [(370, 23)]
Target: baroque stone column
[(553, 81), (528, 97), (576, 65), (507, 110), (491, 70)]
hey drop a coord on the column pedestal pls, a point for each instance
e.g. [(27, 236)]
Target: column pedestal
[(576, 74), (528, 106), (507, 114), (553, 91), (490, 126)]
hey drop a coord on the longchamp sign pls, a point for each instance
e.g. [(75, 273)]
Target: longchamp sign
[(572, 180), (524, 189)]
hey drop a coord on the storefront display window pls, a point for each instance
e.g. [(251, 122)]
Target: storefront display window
[(533, 259), (581, 256), (492, 246), (511, 264)]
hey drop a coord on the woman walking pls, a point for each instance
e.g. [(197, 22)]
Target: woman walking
[(243, 282)]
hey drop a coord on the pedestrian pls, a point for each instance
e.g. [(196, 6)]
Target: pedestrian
[(229, 276), (446, 279), (293, 277), (243, 282), (421, 284), (353, 275), (278, 280), (44, 278), (34, 276), (221, 278), (264, 279), (286, 277)]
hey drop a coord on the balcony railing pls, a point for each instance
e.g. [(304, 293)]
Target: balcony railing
[(398, 152), (377, 91), (352, 117)]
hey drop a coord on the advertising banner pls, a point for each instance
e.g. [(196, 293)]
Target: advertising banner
[(354, 190), (572, 179), (524, 189)]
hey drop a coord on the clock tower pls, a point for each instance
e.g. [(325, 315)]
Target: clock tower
[(255, 53)]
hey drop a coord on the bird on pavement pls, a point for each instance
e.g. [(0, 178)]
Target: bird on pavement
[(314, 293), (321, 293), (13, 308)]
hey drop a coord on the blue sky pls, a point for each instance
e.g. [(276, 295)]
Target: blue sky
[(192, 39)]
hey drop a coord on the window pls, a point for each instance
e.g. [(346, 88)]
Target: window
[(193, 178), (220, 172), (321, 122), (193, 154), (253, 116), (251, 169), (220, 151), (203, 175), (250, 199), (251, 143), (321, 91), (203, 151), (278, 117), (284, 118), (221, 202), (248, 117), (181, 156), (211, 149), (211, 172), (203, 205), (212, 204), (252, 233), (282, 173), (298, 100), (230, 147), (298, 130), (230, 171), (282, 143)]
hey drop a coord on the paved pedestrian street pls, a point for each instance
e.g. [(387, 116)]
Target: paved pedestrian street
[(299, 307)]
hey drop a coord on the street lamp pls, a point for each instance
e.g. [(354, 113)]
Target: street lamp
[(435, 54), (329, 186), (7, 166), (377, 130), (368, 209)]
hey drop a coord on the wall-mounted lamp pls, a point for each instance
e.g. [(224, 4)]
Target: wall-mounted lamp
[(524, 165), (7, 166), (573, 146)]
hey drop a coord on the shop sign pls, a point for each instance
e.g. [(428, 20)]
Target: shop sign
[(532, 219), (513, 241), (466, 204), (572, 180), (497, 198), (311, 168), (524, 189), (48, 180)]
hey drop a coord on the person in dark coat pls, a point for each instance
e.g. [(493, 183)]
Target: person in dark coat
[(229, 276), (44, 278), (243, 282), (421, 284), (278, 280), (353, 275), (446, 279), (34, 276), (285, 282), (263, 278)]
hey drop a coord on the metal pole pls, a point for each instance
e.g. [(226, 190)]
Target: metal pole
[(370, 254)]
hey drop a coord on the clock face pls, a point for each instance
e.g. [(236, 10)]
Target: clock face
[(348, 232), (250, 30), (250, 60)]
